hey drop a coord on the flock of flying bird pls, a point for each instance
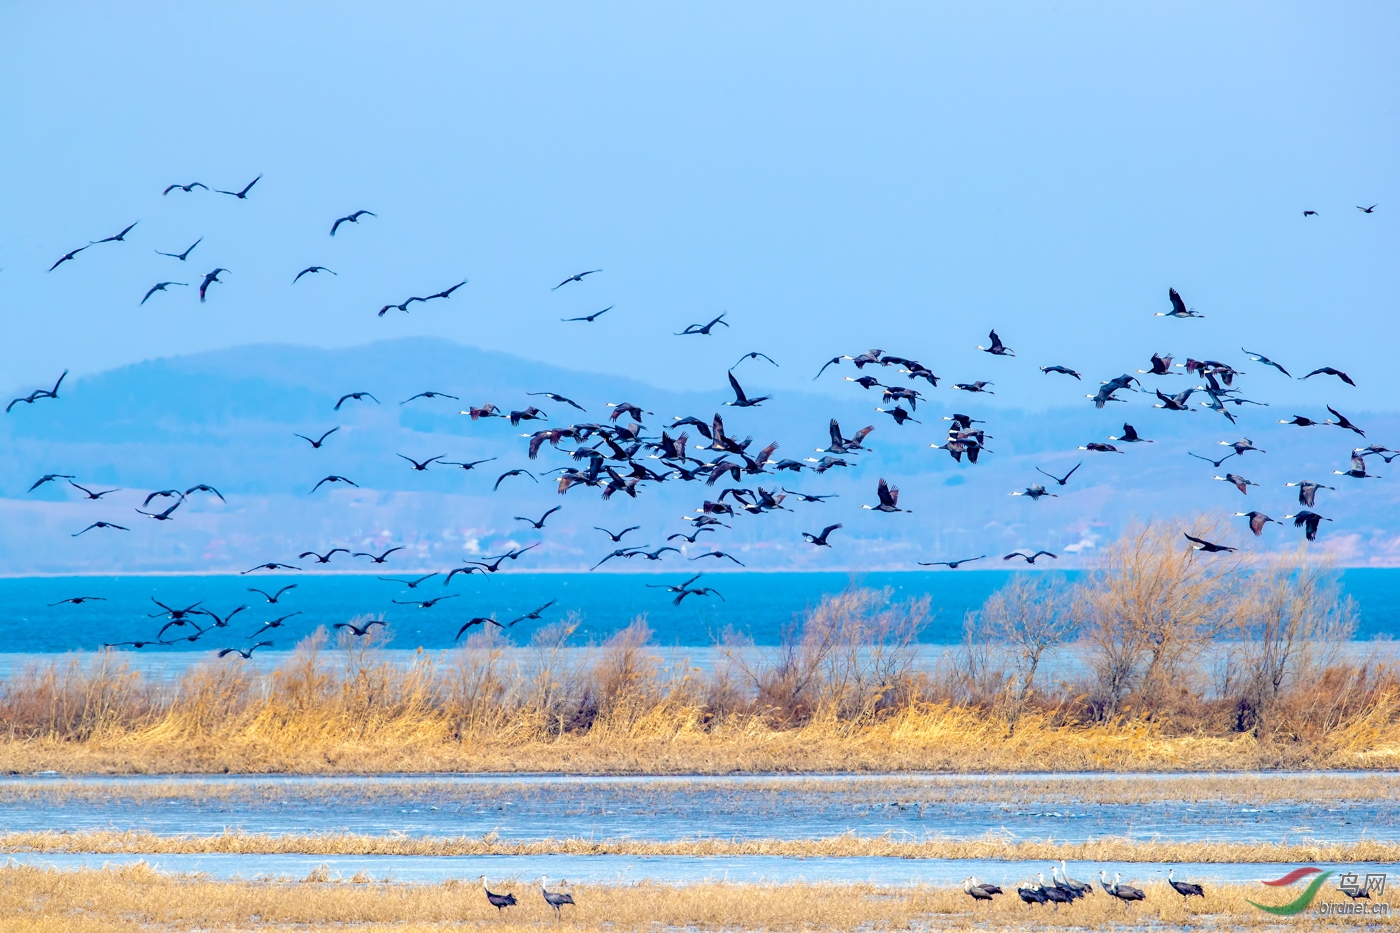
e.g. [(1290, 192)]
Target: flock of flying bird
[(622, 457)]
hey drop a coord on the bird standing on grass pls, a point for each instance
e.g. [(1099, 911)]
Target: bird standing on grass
[(498, 901), (555, 899)]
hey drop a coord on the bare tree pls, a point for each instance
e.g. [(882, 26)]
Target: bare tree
[(1023, 620)]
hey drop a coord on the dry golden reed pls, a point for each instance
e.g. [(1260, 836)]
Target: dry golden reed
[(136, 898), (1106, 849)]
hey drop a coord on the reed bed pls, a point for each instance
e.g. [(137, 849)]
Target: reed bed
[(1106, 849), (137, 898), (854, 791), (842, 693)]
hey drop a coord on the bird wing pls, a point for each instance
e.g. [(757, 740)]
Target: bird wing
[(1178, 306), (883, 491), (738, 389)]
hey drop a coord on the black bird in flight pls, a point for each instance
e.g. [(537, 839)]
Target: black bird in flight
[(466, 465), (950, 564), (1329, 371), (49, 478), (411, 584), (620, 552), (554, 396), (1342, 422), (899, 415), (182, 256), (1179, 308), (1238, 481), (241, 195), (1060, 369), (479, 620), (380, 558), (311, 269), (424, 603), (205, 487), (357, 396), (333, 479), (89, 493), (705, 328), (316, 444), (590, 318), (270, 565), (429, 395), (118, 238), (997, 348), (244, 653), (1129, 436), (1310, 213), (754, 355), (690, 537), (66, 257), (1100, 448), (79, 600), (532, 616), (323, 558), (1061, 480), (272, 624), (160, 287), (1302, 422), (446, 292), (674, 588), (162, 516), (1214, 463), (1257, 521), (538, 525), (350, 219), (820, 540), (1367, 210), (360, 632), (1309, 521), (805, 497), (1307, 492), (512, 473), (102, 525), (37, 394), (221, 622), (574, 278), (1201, 544), (162, 494), (1030, 558), (617, 538), (185, 188), (1261, 358), (740, 399), (418, 466), (275, 596), (209, 279), (719, 554), (889, 498)]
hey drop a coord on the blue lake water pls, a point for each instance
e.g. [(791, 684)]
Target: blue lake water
[(759, 605)]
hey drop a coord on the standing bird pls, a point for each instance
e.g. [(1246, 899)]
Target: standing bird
[(1308, 521), (1184, 888), (1257, 521), (312, 269), (498, 901), (160, 287), (820, 540), (241, 195), (555, 899), (574, 278), (976, 891), (350, 219), (889, 498), (1124, 892), (1179, 308), (186, 254), (997, 348), (209, 279)]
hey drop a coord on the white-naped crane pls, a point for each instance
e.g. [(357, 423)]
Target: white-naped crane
[(1243, 446), (1031, 558), (1124, 892), (1079, 886), (1179, 308), (555, 899), (1342, 422), (976, 891), (1053, 893), (889, 498), (1129, 436), (950, 564), (1029, 893), (1061, 369), (1357, 471), (997, 348), (498, 901), (740, 399), (820, 540), (1329, 371), (1238, 481), (1060, 480), (1257, 521), (1307, 520), (1201, 544), (1307, 492), (1184, 888), (1035, 492)]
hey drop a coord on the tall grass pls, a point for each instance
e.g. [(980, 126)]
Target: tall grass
[(1161, 691)]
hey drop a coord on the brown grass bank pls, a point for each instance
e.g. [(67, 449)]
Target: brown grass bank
[(1184, 666), (139, 899)]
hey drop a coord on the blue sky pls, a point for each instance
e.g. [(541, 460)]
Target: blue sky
[(836, 177)]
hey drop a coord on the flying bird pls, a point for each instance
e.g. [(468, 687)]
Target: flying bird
[(1201, 544), (820, 540), (1307, 520), (889, 498), (209, 279), (590, 318), (1100, 448), (1301, 421), (162, 516), (316, 444), (37, 394), (79, 600), (1031, 558), (357, 396), (411, 584), (1129, 436), (270, 565), (1242, 446), (997, 348), (704, 328), (361, 632), (554, 396), (311, 269), (420, 466), (272, 598), (185, 188), (67, 257), (241, 195), (754, 355), (49, 478), (538, 525), (574, 278), (89, 493), (1261, 358), (512, 473), (1214, 463), (1239, 482), (467, 464), (1307, 492), (326, 557), (1060, 369), (1257, 521), (333, 479), (533, 616), (950, 564), (424, 603), (479, 620), (204, 487), (378, 559), (118, 238), (1342, 422), (1035, 493), (186, 254), (160, 287), (350, 219), (720, 555), (1330, 371), (102, 525), (1179, 308), (245, 653), (1367, 210), (740, 399)]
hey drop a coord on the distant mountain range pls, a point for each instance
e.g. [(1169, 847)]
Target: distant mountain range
[(228, 418)]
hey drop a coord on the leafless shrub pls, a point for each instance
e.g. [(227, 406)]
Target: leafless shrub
[(1019, 623)]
